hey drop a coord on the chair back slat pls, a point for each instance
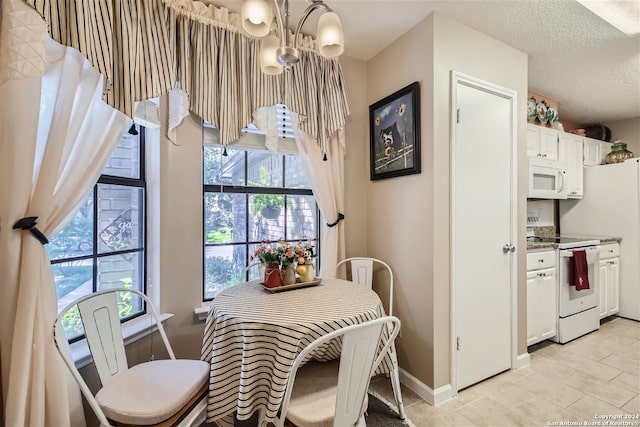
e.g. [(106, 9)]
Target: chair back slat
[(364, 345), (103, 331), (362, 272), (359, 348)]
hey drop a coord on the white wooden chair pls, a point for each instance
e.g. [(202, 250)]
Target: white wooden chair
[(247, 270), (335, 393), (362, 269), (170, 392)]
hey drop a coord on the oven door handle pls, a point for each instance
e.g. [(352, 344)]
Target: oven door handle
[(591, 252)]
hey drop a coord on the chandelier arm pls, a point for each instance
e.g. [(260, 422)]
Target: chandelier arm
[(316, 4), (283, 35)]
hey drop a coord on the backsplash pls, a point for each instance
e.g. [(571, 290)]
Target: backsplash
[(545, 231), (540, 218)]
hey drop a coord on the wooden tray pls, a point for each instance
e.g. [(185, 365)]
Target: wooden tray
[(297, 285)]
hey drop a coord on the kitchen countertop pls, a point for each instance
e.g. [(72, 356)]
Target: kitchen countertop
[(603, 239), (552, 245), (541, 245)]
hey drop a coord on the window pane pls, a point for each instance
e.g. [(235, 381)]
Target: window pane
[(76, 239), (119, 218), (223, 267), (302, 218), (120, 271), (225, 217), (219, 169), (295, 175), (74, 279), (267, 217), (265, 169), (125, 160)]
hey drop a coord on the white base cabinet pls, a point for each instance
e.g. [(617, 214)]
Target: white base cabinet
[(542, 295), (609, 280)]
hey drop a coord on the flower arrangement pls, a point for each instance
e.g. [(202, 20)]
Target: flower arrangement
[(284, 253), (305, 253), (266, 253), (288, 253)]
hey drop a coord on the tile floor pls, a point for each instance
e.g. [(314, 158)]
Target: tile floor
[(575, 383)]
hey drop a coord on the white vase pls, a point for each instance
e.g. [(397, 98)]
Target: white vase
[(306, 272), (288, 275)]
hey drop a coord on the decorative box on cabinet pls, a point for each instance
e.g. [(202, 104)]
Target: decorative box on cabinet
[(542, 310), (542, 142), (592, 152), (609, 279), (570, 153)]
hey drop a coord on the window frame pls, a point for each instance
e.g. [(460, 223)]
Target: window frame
[(248, 190), (135, 183)]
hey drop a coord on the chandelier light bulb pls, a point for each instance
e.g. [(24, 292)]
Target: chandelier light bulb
[(268, 55), (257, 16), (330, 37)]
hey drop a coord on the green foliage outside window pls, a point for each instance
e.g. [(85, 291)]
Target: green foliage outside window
[(262, 201), (222, 269)]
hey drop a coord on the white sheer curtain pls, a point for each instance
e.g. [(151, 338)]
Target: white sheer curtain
[(327, 183), (56, 135), (326, 175)]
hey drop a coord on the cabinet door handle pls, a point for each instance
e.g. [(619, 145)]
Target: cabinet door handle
[(508, 248)]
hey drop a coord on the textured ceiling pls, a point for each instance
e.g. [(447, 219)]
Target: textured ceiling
[(588, 66)]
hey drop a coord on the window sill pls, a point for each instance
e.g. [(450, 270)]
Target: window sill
[(132, 331), (202, 312)]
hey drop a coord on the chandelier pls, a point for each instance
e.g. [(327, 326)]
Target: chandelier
[(276, 51)]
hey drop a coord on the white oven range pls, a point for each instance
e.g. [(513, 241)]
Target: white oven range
[(578, 312)]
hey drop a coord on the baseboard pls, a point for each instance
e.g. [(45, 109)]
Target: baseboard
[(522, 360), (444, 393), (433, 397)]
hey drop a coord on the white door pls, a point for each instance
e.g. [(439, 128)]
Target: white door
[(483, 215)]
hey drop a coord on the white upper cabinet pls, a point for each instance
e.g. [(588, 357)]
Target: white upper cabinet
[(592, 152), (570, 153), (542, 142)]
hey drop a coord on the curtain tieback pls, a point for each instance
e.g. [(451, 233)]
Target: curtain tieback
[(29, 223), (340, 218)]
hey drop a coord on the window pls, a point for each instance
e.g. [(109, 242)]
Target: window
[(103, 246), (251, 196)]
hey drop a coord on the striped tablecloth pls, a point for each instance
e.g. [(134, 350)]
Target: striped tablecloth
[(252, 337)]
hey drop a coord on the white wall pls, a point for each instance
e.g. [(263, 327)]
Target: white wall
[(409, 217), (628, 131)]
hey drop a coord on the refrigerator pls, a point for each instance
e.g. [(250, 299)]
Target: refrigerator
[(610, 207)]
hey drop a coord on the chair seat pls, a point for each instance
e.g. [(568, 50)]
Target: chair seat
[(152, 392), (313, 399)]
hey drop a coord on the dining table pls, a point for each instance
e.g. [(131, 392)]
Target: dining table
[(253, 334)]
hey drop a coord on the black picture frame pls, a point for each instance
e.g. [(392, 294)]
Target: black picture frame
[(394, 134)]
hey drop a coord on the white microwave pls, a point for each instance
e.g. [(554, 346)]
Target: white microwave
[(547, 179)]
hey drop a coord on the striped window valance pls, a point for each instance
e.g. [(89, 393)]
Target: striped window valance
[(126, 41), (145, 48)]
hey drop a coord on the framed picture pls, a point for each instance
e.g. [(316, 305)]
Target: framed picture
[(394, 132)]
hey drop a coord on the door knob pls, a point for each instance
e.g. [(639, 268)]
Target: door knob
[(508, 248)]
